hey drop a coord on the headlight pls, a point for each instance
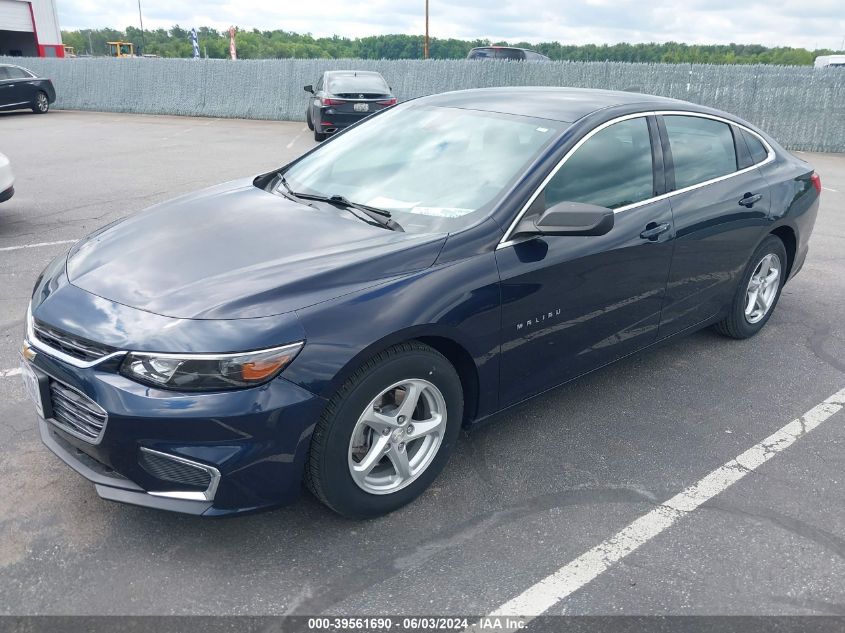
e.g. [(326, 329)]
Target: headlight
[(208, 372)]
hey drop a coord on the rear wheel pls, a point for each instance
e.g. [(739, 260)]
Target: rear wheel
[(758, 291), (41, 105), (308, 121), (387, 432), (319, 136)]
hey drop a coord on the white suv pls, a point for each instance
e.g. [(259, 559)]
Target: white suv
[(7, 179)]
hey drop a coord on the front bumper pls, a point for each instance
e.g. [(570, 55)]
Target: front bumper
[(254, 440)]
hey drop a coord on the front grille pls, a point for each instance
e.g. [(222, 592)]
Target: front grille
[(174, 470), (76, 413), (70, 344)]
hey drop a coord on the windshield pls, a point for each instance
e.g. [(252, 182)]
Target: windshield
[(497, 53), (434, 168)]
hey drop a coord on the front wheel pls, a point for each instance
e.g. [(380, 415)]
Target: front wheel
[(41, 105), (387, 432), (758, 291)]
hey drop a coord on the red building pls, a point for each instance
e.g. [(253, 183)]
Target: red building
[(30, 28)]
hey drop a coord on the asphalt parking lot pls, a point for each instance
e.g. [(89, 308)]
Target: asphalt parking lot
[(521, 497)]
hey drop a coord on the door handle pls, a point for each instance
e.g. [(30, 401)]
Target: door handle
[(653, 231), (749, 199)]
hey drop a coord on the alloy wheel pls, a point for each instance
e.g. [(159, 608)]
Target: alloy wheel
[(41, 102), (762, 288), (397, 436)]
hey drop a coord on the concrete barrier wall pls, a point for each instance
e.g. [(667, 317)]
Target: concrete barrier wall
[(802, 107)]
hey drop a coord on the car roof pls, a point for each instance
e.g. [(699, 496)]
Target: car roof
[(558, 104), (352, 73)]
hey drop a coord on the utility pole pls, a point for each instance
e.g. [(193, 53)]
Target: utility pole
[(141, 19), (425, 45)]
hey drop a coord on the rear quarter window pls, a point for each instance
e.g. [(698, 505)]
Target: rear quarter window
[(702, 149), (755, 147)]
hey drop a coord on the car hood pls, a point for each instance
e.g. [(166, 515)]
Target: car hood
[(237, 251)]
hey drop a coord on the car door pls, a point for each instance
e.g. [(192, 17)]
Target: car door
[(21, 90), (573, 303), (719, 209), (7, 88)]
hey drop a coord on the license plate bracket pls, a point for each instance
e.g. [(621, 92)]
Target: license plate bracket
[(37, 385)]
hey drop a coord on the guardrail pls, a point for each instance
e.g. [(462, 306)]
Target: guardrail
[(802, 107)]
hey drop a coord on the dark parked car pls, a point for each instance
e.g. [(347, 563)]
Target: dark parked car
[(340, 319), (507, 52), (344, 97), (21, 88)]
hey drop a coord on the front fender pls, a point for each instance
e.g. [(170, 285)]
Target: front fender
[(458, 301)]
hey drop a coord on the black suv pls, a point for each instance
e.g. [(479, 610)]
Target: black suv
[(507, 52)]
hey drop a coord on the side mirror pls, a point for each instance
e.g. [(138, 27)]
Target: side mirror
[(309, 88), (568, 218)]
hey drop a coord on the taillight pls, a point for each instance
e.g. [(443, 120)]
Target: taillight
[(388, 102), (817, 182), (331, 102)]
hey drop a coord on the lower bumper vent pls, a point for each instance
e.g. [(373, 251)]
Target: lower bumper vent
[(176, 469)]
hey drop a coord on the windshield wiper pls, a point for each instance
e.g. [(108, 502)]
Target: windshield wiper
[(370, 215)]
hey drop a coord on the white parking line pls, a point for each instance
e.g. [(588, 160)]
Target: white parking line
[(39, 244), (296, 138), (6, 373), (545, 594), (829, 189)]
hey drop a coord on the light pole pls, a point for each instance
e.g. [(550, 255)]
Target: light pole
[(141, 19), (425, 44)]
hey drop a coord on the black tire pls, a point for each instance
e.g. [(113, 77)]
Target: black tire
[(736, 325), (327, 473), (319, 136), (41, 105), (308, 121)]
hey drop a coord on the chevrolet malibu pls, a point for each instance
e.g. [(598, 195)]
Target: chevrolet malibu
[(337, 321)]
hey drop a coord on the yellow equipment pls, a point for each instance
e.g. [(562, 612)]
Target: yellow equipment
[(121, 49)]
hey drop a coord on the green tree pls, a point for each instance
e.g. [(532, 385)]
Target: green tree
[(255, 44)]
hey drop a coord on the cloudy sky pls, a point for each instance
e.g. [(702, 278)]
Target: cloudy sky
[(816, 24)]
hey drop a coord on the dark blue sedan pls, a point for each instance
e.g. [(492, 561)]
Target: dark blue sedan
[(337, 322)]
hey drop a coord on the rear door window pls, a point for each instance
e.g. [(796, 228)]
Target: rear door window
[(612, 169), (16, 73), (702, 149)]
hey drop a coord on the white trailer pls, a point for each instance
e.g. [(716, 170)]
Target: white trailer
[(822, 61)]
